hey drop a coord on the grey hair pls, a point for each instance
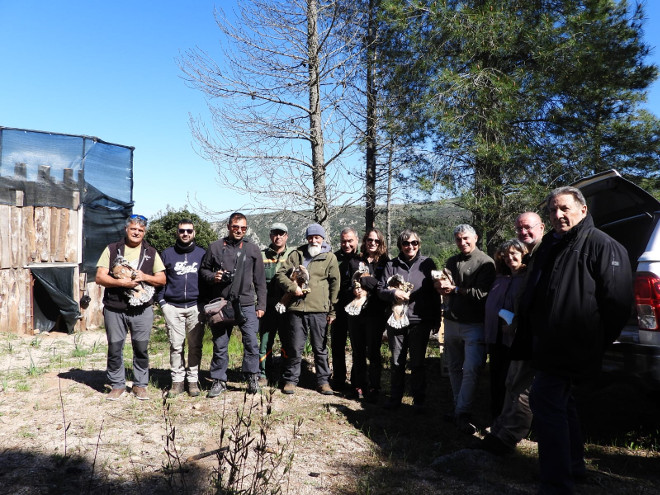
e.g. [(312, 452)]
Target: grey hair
[(464, 227), (139, 219), (572, 191), (349, 230)]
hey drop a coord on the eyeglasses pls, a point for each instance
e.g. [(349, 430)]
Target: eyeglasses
[(237, 228), (138, 217), (277, 232), (186, 231), (375, 241), (410, 243), (523, 229)]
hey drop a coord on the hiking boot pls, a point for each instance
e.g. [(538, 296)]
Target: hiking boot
[(140, 392), (193, 389), (217, 388), (253, 384), (289, 388), (115, 393), (176, 389), (325, 389)]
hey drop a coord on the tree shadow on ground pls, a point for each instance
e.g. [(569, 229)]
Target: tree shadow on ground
[(30, 473)]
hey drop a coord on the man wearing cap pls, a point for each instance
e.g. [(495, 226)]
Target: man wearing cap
[(129, 270), (310, 312), (272, 321)]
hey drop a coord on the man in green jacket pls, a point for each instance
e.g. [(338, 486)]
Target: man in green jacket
[(272, 321), (311, 311)]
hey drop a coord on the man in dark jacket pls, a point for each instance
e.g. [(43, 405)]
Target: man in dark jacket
[(129, 270), (339, 329), (218, 270), (577, 299), (182, 308), (473, 273)]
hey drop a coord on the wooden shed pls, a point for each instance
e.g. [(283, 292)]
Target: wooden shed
[(55, 219)]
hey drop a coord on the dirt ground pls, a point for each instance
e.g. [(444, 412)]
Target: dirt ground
[(58, 434)]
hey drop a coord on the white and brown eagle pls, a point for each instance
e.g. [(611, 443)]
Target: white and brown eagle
[(355, 306), (399, 316), (300, 276), (141, 293)]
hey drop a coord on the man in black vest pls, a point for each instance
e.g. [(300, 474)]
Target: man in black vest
[(129, 270)]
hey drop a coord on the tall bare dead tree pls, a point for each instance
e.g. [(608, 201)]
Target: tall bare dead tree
[(276, 95)]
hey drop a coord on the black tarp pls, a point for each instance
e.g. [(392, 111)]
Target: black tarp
[(53, 291)]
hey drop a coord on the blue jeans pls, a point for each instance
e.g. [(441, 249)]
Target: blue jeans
[(557, 427), (221, 335), (466, 356)]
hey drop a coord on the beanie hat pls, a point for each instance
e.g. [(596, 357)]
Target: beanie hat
[(315, 229)]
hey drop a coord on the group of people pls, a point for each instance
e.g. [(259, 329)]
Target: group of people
[(542, 310)]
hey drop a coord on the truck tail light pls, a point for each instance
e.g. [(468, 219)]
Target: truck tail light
[(647, 299)]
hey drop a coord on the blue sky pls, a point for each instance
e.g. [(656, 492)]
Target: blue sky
[(108, 69)]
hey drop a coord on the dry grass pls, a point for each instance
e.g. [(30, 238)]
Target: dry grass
[(340, 445)]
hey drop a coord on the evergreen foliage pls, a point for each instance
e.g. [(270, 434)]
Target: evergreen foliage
[(499, 101), (161, 233)]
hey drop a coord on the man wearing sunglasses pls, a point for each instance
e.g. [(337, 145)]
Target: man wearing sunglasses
[(121, 312), (473, 274), (181, 304), (218, 270)]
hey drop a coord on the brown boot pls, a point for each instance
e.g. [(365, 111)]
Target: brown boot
[(176, 389), (193, 389)]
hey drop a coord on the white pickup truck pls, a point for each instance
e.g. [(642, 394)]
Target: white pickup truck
[(632, 216)]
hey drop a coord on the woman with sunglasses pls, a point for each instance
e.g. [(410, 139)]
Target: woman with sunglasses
[(367, 322), (423, 315)]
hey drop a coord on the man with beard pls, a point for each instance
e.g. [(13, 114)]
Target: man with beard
[(310, 312), (219, 272), (181, 305)]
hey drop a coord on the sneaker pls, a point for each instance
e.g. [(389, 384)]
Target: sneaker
[(140, 392), (193, 389), (325, 389), (253, 384), (289, 388), (115, 393), (176, 389), (217, 388)]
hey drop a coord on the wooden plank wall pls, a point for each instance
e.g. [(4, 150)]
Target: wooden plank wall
[(38, 235)]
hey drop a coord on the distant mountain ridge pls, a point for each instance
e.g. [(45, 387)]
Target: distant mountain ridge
[(434, 221)]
